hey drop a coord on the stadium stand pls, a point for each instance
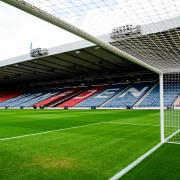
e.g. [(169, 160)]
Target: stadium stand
[(103, 96), (2, 93), (129, 96), (57, 95), (152, 99), (8, 95), (119, 95), (171, 93), (81, 97), (33, 101), (6, 103), (65, 96), (20, 102)]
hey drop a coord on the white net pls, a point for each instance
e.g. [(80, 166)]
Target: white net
[(148, 30), (172, 103), (101, 16)]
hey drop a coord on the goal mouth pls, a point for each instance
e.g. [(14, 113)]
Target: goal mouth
[(143, 32), (172, 112)]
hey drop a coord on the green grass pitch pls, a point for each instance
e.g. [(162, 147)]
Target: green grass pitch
[(103, 142)]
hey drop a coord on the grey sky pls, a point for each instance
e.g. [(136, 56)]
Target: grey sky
[(18, 29)]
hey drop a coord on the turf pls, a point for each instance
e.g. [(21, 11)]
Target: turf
[(162, 164), (90, 152)]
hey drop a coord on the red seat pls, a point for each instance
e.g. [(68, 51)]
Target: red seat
[(81, 97), (9, 95), (58, 97)]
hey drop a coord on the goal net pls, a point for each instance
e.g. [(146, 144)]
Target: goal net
[(172, 107), (145, 32)]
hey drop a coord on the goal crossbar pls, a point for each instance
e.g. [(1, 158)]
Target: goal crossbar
[(27, 7)]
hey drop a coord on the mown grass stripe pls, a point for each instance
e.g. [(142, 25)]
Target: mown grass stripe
[(74, 127), (46, 132)]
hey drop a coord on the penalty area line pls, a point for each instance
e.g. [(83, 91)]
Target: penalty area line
[(47, 132), (74, 127)]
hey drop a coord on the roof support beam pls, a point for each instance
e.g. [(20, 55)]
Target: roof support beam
[(27, 7)]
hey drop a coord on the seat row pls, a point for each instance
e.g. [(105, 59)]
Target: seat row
[(119, 95)]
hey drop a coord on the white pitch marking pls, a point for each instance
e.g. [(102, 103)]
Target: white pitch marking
[(141, 158), (134, 124), (75, 127), (46, 132), (135, 163), (173, 143)]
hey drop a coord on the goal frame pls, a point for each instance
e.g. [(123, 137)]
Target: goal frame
[(161, 91), (28, 8), (22, 5)]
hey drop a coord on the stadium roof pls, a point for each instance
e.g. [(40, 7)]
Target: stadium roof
[(155, 47), (70, 61), (88, 19)]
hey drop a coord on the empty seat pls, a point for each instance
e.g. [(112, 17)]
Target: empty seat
[(130, 96), (101, 97)]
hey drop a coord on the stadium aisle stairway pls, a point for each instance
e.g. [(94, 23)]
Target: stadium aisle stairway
[(130, 96), (9, 95), (81, 97), (69, 94), (27, 98), (33, 101), (9, 101), (46, 102), (152, 100), (60, 98), (103, 96)]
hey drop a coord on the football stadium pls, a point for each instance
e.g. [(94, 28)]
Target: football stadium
[(104, 107)]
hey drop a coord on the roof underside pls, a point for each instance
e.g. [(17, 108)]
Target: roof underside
[(83, 60), (160, 50), (157, 46), (88, 62)]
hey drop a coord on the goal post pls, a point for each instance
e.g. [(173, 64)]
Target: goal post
[(155, 47), (153, 32), (32, 9), (171, 115), (170, 107), (161, 107)]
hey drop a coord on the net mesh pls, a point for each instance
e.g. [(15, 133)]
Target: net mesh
[(148, 30), (101, 16), (172, 103)]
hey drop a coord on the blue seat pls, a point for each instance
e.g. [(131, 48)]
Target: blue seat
[(103, 96), (129, 96), (152, 100)]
